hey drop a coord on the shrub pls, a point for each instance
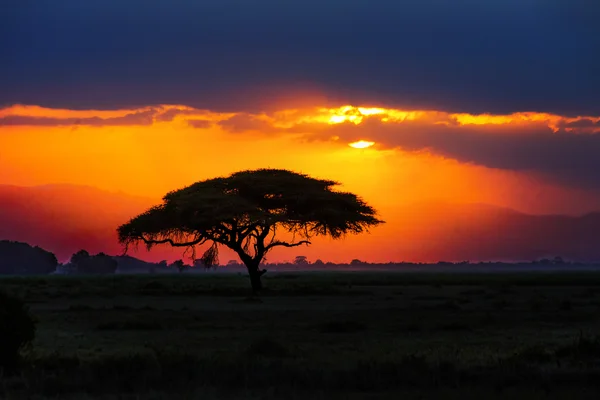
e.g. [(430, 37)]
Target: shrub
[(17, 330)]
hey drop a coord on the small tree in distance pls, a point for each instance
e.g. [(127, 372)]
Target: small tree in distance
[(244, 212), (101, 263), (301, 261), (179, 265)]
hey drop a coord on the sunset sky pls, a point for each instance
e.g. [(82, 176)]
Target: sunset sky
[(403, 102)]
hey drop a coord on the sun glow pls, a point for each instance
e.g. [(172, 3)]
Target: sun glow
[(165, 147), (350, 114), (361, 144)]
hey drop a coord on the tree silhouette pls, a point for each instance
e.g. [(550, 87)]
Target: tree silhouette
[(301, 260), (179, 265), (245, 211), (101, 263), (22, 259)]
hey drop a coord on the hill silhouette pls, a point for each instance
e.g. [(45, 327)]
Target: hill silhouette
[(486, 232), (67, 218)]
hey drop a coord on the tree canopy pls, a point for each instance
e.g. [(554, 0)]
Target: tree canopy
[(101, 263), (22, 259), (244, 212)]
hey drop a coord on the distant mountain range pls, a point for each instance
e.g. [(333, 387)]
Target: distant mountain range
[(66, 218), (479, 232)]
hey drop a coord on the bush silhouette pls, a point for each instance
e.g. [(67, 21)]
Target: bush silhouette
[(17, 330)]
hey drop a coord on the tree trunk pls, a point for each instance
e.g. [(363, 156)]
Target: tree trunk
[(255, 280), (255, 277)]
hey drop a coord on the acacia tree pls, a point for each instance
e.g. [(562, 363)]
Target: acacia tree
[(245, 211)]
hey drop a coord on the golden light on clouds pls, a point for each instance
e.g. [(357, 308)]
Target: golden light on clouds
[(177, 145), (361, 144), (152, 150), (287, 118)]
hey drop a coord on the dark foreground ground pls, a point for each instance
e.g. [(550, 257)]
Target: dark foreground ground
[(312, 335)]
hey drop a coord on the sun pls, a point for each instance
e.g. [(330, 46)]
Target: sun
[(361, 144)]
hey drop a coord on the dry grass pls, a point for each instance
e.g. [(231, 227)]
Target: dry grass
[(317, 335)]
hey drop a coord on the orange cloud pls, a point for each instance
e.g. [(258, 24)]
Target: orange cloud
[(36, 111), (418, 153), (289, 119), (418, 157)]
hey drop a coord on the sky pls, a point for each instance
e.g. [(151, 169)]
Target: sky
[(493, 102)]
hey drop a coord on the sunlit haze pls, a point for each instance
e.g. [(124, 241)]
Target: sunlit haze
[(361, 144), (419, 159)]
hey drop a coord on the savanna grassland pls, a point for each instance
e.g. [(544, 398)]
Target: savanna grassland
[(311, 335)]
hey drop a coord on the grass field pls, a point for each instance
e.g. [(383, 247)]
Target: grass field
[(311, 335)]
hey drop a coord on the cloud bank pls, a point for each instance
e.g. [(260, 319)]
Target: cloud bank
[(496, 56), (552, 147)]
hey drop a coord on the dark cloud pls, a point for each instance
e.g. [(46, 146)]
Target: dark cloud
[(199, 123), (135, 118), (567, 158), (245, 123), (170, 114), (473, 56), (586, 124)]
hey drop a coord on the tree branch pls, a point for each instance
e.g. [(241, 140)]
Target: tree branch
[(246, 230), (259, 246), (285, 244), (172, 243)]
